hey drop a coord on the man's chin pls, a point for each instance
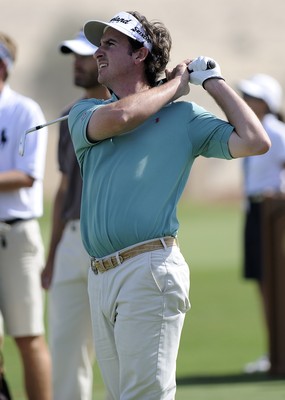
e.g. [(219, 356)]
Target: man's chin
[(101, 80)]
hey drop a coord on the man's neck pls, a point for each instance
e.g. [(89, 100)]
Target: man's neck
[(98, 92)]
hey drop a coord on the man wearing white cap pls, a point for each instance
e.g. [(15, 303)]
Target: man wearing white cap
[(21, 246), (263, 177), (67, 264), (135, 153)]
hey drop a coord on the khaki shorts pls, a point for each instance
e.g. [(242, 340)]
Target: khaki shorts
[(21, 295)]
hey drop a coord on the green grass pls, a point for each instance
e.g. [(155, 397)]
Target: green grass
[(224, 329)]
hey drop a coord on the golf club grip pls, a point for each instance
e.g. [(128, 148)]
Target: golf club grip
[(210, 65)]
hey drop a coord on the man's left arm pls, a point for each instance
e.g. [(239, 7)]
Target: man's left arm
[(249, 137), (14, 180)]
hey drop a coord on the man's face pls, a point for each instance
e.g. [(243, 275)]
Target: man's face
[(85, 71), (114, 57)]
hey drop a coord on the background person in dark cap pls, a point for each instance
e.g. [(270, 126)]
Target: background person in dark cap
[(263, 176), (67, 263)]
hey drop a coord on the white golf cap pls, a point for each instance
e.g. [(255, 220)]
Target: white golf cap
[(263, 87), (123, 22), (79, 45)]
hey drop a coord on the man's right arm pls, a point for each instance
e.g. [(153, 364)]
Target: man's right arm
[(129, 112)]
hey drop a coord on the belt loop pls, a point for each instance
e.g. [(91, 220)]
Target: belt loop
[(118, 258), (163, 243)]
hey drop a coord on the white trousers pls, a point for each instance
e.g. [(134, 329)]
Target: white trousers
[(138, 310), (70, 329)]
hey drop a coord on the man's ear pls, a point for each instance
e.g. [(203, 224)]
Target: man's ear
[(140, 55)]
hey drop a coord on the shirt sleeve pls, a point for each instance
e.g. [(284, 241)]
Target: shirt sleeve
[(209, 135), (78, 120)]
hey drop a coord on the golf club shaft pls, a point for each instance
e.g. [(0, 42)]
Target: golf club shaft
[(36, 128)]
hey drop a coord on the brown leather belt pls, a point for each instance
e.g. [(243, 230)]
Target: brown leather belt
[(104, 264)]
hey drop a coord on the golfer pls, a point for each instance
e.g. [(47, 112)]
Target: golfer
[(135, 152)]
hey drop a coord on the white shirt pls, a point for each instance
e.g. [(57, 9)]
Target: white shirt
[(17, 114), (263, 173)]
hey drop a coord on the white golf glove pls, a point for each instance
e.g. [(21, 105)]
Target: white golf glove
[(202, 69)]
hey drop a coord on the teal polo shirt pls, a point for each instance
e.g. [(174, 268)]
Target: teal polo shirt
[(133, 182)]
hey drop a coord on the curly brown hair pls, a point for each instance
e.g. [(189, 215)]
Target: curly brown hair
[(160, 38)]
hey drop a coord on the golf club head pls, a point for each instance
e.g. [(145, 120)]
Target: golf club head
[(22, 144)]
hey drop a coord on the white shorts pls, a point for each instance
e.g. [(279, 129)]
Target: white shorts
[(21, 295), (71, 261), (70, 329)]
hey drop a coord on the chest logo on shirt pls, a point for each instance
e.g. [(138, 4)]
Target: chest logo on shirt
[(3, 137)]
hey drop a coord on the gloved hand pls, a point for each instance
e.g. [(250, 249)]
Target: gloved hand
[(202, 69)]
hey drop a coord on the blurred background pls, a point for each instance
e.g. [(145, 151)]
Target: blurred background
[(244, 37)]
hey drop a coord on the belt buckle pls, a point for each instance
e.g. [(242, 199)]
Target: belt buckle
[(93, 266)]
